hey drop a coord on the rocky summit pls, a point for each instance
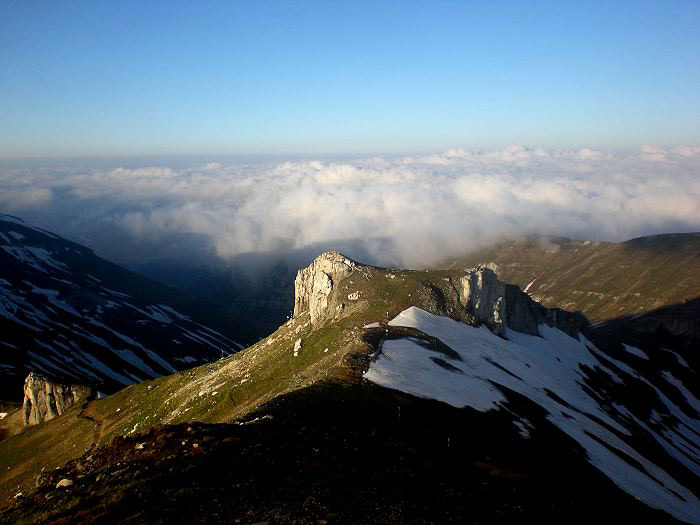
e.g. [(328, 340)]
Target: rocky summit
[(313, 285)]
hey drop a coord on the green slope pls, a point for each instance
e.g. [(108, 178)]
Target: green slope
[(335, 351), (602, 280)]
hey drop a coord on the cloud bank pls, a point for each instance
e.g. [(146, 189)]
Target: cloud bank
[(409, 211)]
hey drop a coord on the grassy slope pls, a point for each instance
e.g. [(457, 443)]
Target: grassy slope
[(231, 388), (333, 450), (603, 280)]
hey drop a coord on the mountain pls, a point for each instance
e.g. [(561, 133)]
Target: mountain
[(69, 314), (255, 289), (392, 396), (603, 280)]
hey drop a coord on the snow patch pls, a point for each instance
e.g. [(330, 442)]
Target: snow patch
[(635, 351), (536, 367)]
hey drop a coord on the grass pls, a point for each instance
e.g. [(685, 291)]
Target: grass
[(336, 350), (602, 280)]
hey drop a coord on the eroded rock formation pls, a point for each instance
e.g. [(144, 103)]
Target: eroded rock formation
[(499, 305), (45, 398), (314, 284)]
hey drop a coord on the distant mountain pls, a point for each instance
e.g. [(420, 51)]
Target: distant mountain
[(254, 289), (391, 396), (70, 314), (603, 280)]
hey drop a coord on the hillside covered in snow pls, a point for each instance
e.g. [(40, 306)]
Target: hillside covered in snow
[(69, 314)]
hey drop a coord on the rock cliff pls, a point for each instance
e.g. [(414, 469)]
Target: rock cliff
[(476, 296), (314, 284), (499, 305), (45, 398)]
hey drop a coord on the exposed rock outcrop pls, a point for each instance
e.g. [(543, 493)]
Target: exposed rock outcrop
[(314, 284), (45, 398), (499, 305), (483, 295)]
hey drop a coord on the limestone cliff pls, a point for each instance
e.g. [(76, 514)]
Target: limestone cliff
[(314, 284), (499, 305), (45, 398)]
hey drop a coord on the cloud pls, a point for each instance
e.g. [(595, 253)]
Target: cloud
[(23, 198), (411, 211)]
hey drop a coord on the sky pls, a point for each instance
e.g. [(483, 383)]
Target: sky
[(346, 78)]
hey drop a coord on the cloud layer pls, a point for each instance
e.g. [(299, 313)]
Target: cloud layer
[(405, 211)]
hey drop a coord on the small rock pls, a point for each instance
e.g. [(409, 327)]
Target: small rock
[(139, 446), (195, 445), (65, 482), (18, 495)]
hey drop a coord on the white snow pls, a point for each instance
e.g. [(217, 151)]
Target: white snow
[(635, 351), (16, 220), (528, 286), (186, 359), (53, 298), (16, 235), (3, 415), (372, 325), (173, 312), (678, 358), (133, 359), (113, 292), (531, 366), (99, 366)]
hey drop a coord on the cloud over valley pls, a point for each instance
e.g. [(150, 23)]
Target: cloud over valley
[(410, 211)]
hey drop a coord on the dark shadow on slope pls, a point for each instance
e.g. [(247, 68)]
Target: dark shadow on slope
[(358, 454), (675, 327)]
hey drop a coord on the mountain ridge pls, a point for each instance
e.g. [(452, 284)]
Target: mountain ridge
[(604, 280), (357, 324)]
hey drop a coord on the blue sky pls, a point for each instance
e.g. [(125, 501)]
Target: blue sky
[(164, 78)]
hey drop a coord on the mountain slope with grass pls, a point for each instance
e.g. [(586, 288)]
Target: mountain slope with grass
[(603, 280), (71, 315), (391, 396)]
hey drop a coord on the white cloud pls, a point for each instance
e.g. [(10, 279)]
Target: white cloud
[(410, 210), (24, 197)]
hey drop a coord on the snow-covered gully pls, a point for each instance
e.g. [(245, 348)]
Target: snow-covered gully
[(553, 371)]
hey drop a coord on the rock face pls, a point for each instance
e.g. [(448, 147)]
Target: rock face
[(483, 295), (499, 305), (45, 398), (314, 283)]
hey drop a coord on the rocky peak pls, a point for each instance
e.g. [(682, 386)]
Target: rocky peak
[(498, 305), (314, 284), (45, 398)]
